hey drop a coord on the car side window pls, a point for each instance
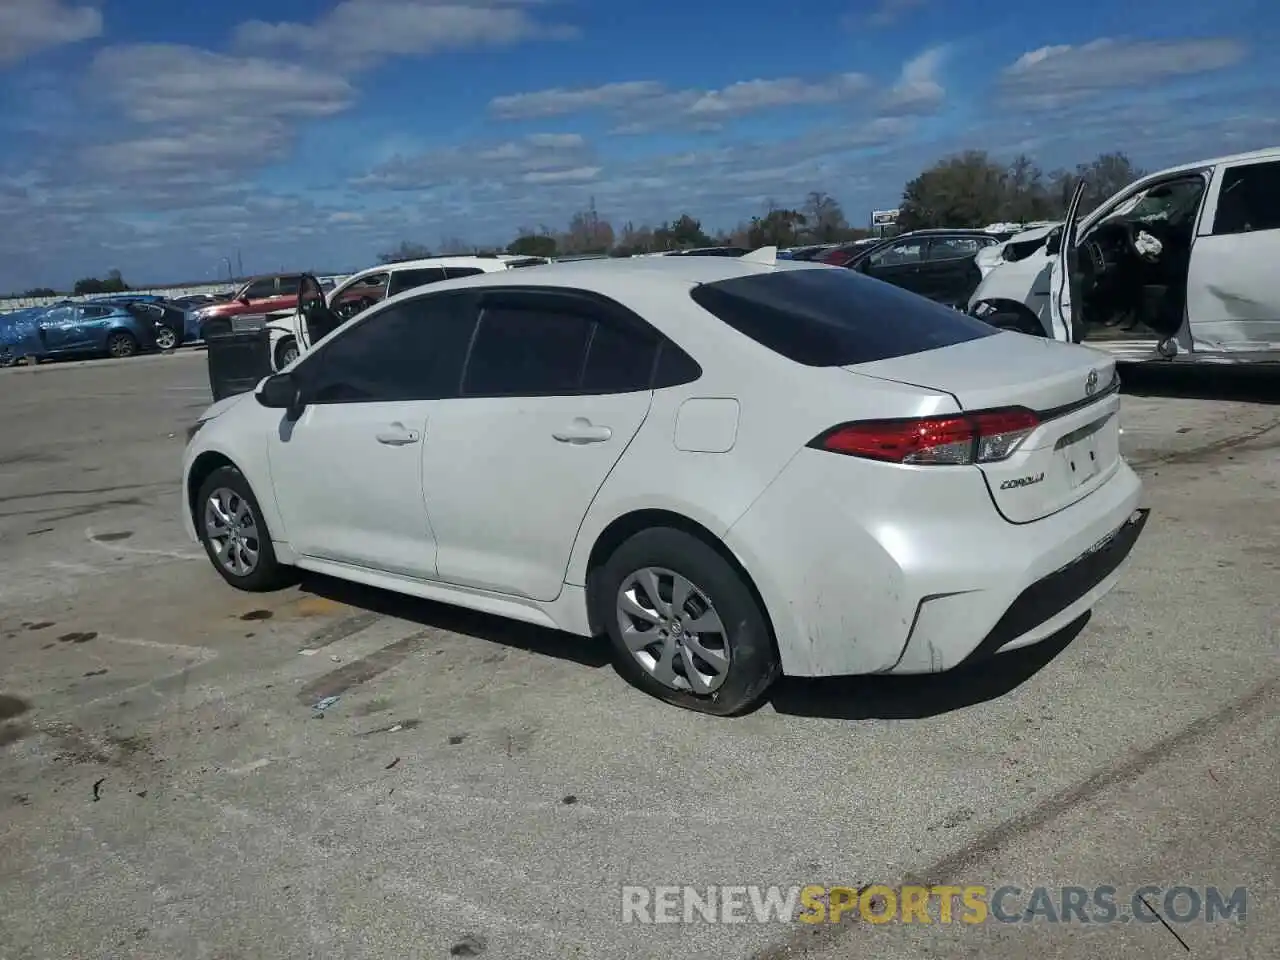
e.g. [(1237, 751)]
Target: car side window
[(402, 280), (455, 272), (261, 289), (1250, 199), (619, 359), (911, 251), (412, 350), (953, 248), (289, 285), (531, 349), (95, 313)]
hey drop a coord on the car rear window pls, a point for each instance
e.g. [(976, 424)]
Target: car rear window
[(833, 317)]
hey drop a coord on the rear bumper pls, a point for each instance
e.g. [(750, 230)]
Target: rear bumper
[(914, 571)]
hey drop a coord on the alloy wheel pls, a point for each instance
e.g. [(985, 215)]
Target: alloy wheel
[(166, 339), (673, 630), (232, 531)]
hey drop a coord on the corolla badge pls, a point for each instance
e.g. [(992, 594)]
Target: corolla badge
[(1021, 482), (1091, 383)]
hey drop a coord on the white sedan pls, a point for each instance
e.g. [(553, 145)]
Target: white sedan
[(734, 468)]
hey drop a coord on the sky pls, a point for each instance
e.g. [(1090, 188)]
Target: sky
[(159, 138)]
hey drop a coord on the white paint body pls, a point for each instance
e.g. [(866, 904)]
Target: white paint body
[(1233, 290), (862, 566)]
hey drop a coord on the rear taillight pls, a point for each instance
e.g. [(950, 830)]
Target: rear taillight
[(986, 436)]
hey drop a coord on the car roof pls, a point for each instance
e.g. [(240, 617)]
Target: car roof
[(488, 264), (1267, 153), (616, 275)]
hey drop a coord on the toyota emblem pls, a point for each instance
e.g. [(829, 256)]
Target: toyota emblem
[(1091, 384)]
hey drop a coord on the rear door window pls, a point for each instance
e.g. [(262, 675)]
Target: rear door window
[(953, 248), (527, 350), (455, 272), (1250, 199), (402, 280), (909, 251), (832, 318)]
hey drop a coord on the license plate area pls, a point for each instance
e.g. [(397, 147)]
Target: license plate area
[(1081, 452)]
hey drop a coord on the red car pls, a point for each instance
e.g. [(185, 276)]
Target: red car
[(256, 296)]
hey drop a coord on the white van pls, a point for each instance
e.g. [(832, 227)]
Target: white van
[(1190, 253), (358, 292)]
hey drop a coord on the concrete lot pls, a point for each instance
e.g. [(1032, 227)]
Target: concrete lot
[(482, 788)]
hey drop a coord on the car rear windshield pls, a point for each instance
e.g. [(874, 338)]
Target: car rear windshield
[(829, 317)]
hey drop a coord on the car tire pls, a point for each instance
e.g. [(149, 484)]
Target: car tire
[(166, 338), (121, 345), (286, 352), (740, 656), (1017, 323), (255, 568)]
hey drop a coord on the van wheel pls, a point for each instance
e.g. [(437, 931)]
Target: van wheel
[(684, 625), (286, 352)]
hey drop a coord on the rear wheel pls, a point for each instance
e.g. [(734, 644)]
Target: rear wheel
[(685, 625), (234, 533), (286, 352), (121, 344)]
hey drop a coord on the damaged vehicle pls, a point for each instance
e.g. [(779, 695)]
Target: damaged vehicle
[(1188, 253)]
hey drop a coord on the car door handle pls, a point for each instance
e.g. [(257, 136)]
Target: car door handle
[(583, 431), (397, 436)]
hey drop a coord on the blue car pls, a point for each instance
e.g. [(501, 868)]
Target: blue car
[(74, 329)]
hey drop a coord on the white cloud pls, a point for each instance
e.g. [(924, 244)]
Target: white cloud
[(646, 105), (1053, 75), (537, 158), (359, 33), (170, 83), (918, 89), (28, 27)]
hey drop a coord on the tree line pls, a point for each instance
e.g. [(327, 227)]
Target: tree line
[(969, 189)]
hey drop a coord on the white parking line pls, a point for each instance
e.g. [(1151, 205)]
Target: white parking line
[(141, 551)]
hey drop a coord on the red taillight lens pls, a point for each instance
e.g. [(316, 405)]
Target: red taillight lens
[(982, 437)]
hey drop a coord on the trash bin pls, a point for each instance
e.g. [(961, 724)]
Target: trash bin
[(239, 354)]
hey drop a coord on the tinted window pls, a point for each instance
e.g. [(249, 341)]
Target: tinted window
[(455, 272), (95, 313), (1250, 199), (289, 285), (402, 280), (835, 317), (953, 248), (410, 351), (619, 360), (260, 289), (674, 367), (530, 351), (911, 251)]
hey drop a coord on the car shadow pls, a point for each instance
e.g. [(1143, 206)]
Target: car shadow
[(919, 696), (471, 623), (1259, 384)]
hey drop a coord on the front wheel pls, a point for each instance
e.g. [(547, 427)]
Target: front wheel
[(286, 352), (234, 533), (684, 624)]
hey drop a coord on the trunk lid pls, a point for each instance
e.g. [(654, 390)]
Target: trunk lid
[(1074, 390)]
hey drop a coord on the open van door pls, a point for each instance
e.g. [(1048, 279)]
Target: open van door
[(1065, 307), (313, 320)]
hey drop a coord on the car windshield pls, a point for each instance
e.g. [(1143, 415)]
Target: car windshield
[(1172, 202), (822, 317)]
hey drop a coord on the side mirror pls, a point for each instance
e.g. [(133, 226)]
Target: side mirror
[(245, 301), (1053, 244), (282, 392)]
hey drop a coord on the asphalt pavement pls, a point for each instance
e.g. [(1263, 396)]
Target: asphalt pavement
[(484, 788)]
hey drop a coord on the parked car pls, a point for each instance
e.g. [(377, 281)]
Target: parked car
[(290, 333), (732, 467), (173, 322), (74, 329), (255, 297), (938, 264), (1189, 253), (1019, 247)]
